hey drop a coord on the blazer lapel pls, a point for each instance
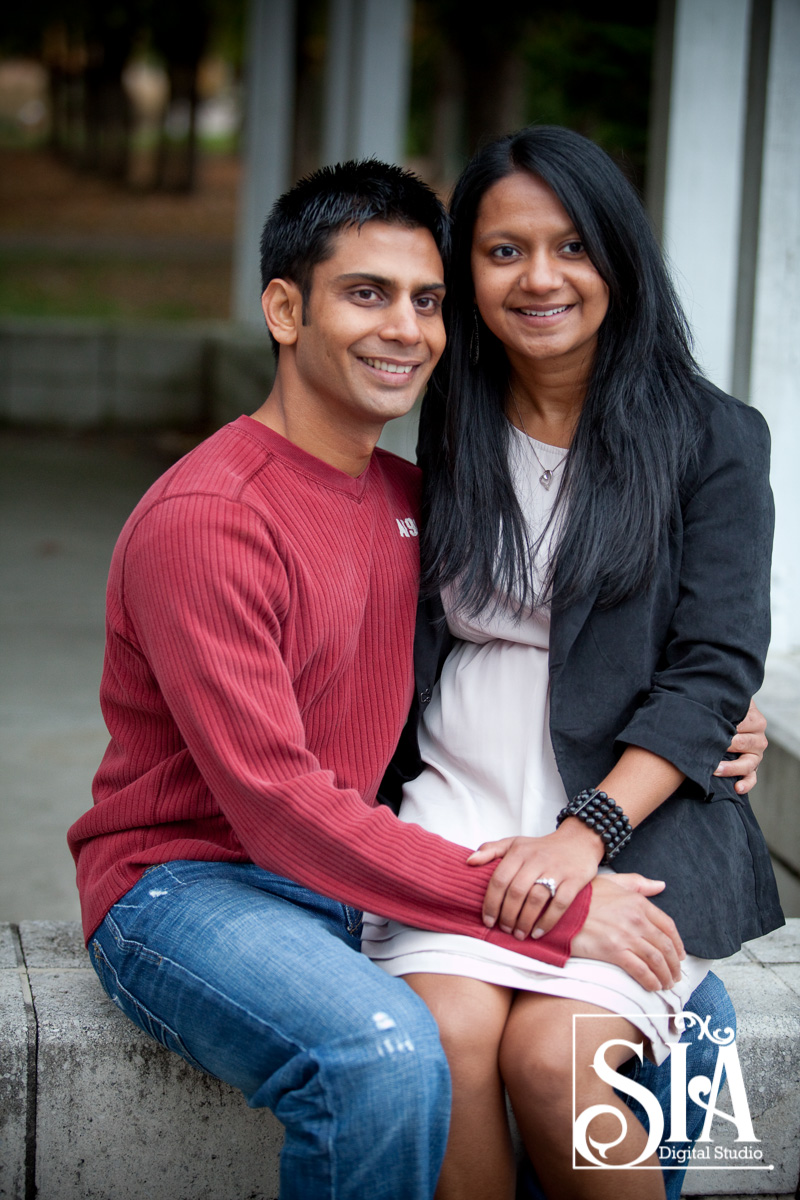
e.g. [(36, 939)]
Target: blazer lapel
[(566, 625), (431, 642)]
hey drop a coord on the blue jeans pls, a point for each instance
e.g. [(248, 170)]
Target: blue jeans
[(261, 982), (709, 998)]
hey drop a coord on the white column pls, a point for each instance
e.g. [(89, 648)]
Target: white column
[(382, 79), (704, 171), (775, 367), (269, 122), (367, 79), (337, 110)]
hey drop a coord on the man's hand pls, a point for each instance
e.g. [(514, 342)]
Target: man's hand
[(626, 929), (749, 742)]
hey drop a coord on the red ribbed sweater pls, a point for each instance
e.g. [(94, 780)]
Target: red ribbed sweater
[(258, 671)]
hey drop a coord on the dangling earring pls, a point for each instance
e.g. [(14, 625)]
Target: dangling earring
[(475, 340)]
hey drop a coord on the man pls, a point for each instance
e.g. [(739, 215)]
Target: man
[(258, 672)]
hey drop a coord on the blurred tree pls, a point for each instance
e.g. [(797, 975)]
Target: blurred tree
[(311, 42), (109, 32), (63, 54), (86, 45), (179, 37), (477, 71), (480, 72), (589, 67)]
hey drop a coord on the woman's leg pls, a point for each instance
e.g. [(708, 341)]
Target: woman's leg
[(711, 1002), (536, 1063), (471, 1015)]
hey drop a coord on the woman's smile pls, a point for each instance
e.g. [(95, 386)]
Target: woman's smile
[(547, 312), (535, 285)]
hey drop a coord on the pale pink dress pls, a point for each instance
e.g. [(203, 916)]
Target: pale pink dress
[(491, 773)]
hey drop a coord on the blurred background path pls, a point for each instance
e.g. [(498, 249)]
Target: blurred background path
[(63, 501), (75, 243)]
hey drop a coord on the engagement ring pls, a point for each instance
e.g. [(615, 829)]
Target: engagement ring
[(550, 884)]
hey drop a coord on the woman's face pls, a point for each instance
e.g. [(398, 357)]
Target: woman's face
[(535, 286)]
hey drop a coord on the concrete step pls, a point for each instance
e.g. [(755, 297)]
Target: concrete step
[(91, 1109)]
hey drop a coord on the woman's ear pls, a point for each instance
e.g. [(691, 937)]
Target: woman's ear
[(282, 304)]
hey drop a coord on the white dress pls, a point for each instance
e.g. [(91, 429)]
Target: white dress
[(490, 773)]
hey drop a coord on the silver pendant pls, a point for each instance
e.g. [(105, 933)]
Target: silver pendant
[(546, 479)]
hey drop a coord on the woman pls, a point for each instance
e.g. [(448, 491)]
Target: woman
[(581, 483)]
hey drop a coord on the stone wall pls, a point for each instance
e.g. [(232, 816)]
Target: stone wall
[(99, 375)]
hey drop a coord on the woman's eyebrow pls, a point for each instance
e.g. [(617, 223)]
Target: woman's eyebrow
[(508, 235), (495, 233)]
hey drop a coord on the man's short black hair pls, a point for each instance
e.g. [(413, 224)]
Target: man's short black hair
[(299, 231)]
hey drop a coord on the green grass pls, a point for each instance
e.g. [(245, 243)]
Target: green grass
[(34, 284)]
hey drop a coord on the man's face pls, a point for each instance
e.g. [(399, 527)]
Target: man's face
[(373, 329)]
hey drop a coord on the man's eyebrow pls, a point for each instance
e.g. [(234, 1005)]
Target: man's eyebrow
[(384, 281)]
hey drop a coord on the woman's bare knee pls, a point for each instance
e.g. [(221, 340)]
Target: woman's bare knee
[(471, 1016), (536, 1050), (544, 1062)]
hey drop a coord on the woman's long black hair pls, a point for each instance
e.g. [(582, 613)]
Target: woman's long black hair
[(638, 428)]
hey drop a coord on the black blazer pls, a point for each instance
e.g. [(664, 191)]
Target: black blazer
[(671, 670)]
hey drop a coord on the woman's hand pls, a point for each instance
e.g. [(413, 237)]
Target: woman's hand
[(624, 928), (514, 900), (749, 742)]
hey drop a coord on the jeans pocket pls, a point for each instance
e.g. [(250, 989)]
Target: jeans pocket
[(354, 920), (137, 1012)]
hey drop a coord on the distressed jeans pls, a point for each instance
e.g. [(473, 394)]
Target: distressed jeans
[(261, 982), (708, 999)]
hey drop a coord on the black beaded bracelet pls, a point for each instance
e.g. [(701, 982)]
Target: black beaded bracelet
[(598, 811)]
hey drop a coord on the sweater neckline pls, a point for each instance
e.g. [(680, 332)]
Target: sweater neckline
[(300, 460)]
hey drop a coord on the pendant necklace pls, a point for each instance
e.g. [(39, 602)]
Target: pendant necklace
[(546, 477)]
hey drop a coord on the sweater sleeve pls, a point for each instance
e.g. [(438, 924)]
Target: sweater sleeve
[(713, 661), (206, 593)]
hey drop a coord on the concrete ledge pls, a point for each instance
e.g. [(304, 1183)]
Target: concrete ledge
[(17, 1065), (763, 980), (240, 372), (103, 374), (116, 1116), (87, 375), (91, 1109), (774, 798), (779, 700)]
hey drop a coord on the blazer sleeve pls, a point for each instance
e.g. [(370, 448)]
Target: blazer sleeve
[(712, 663)]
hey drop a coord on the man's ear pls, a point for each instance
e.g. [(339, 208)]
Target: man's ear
[(282, 303)]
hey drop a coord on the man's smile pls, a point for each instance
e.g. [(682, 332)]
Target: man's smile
[(403, 369)]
